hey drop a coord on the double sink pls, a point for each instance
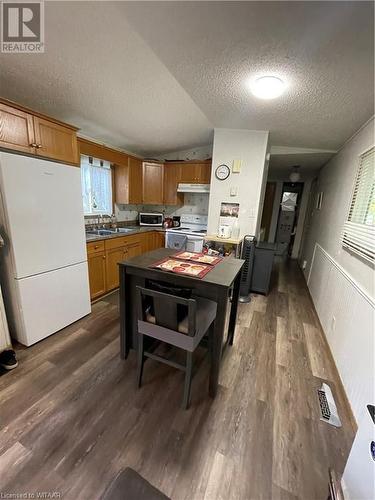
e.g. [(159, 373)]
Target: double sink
[(108, 232)]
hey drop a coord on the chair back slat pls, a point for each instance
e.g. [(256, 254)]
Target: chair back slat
[(165, 308), (166, 313)]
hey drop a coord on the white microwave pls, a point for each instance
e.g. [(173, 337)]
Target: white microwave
[(148, 219)]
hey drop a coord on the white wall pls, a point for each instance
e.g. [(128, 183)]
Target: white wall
[(336, 180), (250, 146), (342, 288)]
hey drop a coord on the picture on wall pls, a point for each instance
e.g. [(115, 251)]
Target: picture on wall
[(229, 209)]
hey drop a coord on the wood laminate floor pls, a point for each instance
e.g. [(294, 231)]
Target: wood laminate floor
[(71, 415)]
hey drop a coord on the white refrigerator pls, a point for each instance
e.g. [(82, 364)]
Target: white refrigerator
[(44, 261)]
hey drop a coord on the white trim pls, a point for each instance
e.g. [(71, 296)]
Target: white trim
[(356, 133), (352, 281)]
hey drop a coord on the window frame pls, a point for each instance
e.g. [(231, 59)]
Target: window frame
[(358, 237), (95, 213)]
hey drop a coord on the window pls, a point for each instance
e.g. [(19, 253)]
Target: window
[(96, 186), (359, 229)]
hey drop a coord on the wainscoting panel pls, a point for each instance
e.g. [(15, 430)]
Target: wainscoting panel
[(346, 313)]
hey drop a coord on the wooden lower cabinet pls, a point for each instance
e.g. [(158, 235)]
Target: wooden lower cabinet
[(158, 240), (113, 257), (97, 274), (103, 258)]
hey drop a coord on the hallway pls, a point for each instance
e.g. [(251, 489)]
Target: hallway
[(71, 415)]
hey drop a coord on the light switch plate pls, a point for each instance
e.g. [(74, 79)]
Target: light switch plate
[(236, 167), (233, 190)]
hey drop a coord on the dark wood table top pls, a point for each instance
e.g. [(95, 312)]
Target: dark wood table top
[(223, 274)]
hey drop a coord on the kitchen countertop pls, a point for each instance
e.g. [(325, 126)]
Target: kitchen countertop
[(134, 230)]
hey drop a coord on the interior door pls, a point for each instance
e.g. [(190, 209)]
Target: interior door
[(43, 206), (269, 199)]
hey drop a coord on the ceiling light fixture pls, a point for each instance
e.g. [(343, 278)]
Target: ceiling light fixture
[(295, 175), (267, 87)]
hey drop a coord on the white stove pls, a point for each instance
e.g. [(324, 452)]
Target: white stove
[(190, 235)]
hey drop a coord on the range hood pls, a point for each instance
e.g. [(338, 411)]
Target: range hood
[(193, 188)]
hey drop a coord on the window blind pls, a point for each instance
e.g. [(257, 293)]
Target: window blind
[(96, 186), (359, 229)]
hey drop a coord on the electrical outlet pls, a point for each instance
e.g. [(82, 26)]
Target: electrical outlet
[(304, 264)]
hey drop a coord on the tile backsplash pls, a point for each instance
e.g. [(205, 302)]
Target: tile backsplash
[(194, 203)]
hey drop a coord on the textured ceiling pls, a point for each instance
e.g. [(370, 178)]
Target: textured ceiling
[(152, 77), (323, 50), (99, 75), (308, 162)]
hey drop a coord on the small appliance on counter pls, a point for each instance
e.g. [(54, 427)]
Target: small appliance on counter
[(151, 219), (168, 223), (176, 221), (224, 232)]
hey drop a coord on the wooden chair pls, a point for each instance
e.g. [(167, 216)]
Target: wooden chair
[(177, 321)]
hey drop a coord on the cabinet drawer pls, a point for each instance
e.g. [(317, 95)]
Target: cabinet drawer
[(95, 246), (121, 242)]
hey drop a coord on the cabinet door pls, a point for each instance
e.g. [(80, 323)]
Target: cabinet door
[(121, 184), (96, 264), (132, 250), (152, 183), (188, 173), (113, 257), (16, 129), (172, 176), (135, 181), (203, 173), (159, 240), (55, 141)]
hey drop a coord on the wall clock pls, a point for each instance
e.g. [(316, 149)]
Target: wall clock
[(222, 172)]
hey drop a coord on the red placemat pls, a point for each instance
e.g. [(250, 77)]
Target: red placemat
[(187, 268), (202, 258)]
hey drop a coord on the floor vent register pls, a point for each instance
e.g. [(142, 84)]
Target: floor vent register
[(328, 409)]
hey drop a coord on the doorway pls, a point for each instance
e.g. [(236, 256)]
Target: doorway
[(291, 197), (268, 203)]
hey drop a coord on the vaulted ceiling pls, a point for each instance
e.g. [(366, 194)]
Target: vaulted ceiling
[(152, 77)]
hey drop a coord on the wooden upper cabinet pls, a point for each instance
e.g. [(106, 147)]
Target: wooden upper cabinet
[(121, 181), (30, 132), (135, 181), (203, 171), (55, 141), (172, 176), (195, 173), (16, 129), (152, 183), (128, 182)]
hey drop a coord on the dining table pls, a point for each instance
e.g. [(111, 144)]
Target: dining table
[(221, 284)]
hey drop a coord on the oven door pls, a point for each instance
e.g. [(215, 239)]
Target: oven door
[(194, 243), (176, 241)]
